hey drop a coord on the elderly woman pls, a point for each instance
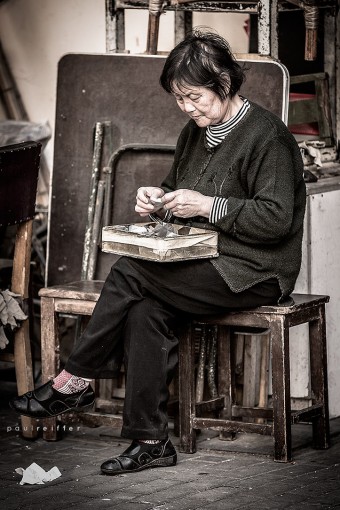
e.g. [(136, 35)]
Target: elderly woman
[(237, 170)]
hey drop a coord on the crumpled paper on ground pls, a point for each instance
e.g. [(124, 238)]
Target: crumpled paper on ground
[(35, 474), (10, 314)]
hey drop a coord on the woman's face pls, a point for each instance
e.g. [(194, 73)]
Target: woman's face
[(201, 104)]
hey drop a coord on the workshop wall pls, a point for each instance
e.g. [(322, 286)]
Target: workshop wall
[(35, 34)]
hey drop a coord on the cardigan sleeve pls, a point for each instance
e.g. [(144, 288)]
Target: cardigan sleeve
[(266, 216)]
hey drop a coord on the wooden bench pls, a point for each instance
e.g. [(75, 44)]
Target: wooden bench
[(79, 298)]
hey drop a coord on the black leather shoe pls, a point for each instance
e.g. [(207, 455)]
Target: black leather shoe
[(45, 401), (141, 456)]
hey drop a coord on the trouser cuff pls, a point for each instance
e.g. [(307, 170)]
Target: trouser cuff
[(143, 433)]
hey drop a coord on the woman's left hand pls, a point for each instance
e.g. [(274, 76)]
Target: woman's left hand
[(185, 203)]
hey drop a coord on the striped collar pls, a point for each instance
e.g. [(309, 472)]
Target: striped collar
[(216, 134)]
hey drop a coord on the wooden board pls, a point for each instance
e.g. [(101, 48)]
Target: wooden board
[(125, 90)]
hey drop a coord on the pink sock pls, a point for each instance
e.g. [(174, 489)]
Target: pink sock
[(150, 441), (68, 383)]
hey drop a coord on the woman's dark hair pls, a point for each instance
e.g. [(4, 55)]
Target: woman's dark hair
[(203, 59)]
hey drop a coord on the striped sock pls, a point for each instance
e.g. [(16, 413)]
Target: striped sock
[(68, 383)]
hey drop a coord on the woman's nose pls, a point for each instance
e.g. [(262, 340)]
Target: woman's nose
[(188, 107)]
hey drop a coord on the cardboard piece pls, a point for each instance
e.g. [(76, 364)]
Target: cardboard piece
[(195, 244)]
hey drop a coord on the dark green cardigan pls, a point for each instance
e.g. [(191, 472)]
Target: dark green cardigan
[(258, 167)]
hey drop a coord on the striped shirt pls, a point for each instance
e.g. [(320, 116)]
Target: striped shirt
[(214, 136)]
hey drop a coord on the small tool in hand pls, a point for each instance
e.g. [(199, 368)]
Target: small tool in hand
[(156, 202)]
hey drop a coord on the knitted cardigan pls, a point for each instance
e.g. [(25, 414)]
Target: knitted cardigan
[(258, 167)]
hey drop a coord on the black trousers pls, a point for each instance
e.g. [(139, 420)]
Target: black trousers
[(135, 319)]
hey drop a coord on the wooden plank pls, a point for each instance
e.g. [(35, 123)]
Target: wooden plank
[(231, 426), (308, 414), (253, 412), (88, 290), (207, 406), (252, 354), (319, 384), (226, 377), (264, 373), (238, 367), (94, 419), (22, 346), (186, 390), (324, 185), (50, 362), (72, 306), (281, 390)]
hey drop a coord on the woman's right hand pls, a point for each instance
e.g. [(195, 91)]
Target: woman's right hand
[(146, 200)]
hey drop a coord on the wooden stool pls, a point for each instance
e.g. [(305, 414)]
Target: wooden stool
[(77, 298), (278, 319)]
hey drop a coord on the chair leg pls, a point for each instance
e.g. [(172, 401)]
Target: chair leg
[(24, 375), (22, 346), (281, 390), (50, 361), (186, 391), (319, 385)]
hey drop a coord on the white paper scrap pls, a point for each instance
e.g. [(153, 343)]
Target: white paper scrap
[(35, 474)]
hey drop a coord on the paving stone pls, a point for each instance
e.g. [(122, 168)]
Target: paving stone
[(220, 476)]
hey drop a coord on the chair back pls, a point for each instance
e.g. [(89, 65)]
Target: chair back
[(19, 170)]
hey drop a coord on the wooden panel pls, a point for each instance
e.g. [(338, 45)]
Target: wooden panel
[(123, 90), (86, 290), (72, 306)]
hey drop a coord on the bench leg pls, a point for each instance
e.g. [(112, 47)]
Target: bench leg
[(319, 385), (50, 361), (186, 382), (281, 389)]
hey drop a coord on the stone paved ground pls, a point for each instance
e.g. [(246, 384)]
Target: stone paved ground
[(221, 475)]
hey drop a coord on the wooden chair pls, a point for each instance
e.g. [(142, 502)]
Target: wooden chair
[(77, 298), (19, 168), (310, 114), (278, 319)]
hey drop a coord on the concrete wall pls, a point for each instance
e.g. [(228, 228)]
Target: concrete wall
[(35, 34)]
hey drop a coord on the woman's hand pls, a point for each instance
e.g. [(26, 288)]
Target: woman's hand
[(185, 203), (147, 200)]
